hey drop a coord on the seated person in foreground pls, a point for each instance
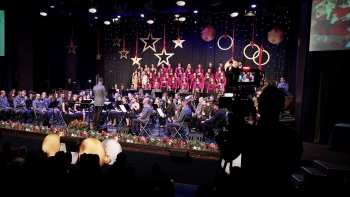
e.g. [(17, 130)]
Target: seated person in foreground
[(186, 112), (271, 150)]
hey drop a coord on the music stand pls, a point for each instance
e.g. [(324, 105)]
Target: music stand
[(85, 104), (108, 108), (124, 93), (183, 95), (112, 91), (53, 104), (158, 94), (155, 106), (71, 104), (112, 100), (132, 91), (147, 91), (204, 95), (171, 94), (125, 108)]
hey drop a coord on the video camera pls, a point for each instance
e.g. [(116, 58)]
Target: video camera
[(245, 80)]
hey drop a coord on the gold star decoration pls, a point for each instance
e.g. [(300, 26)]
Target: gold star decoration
[(123, 54), (135, 60), (160, 59), (98, 56), (116, 41), (178, 42), (71, 49), (150, 37)]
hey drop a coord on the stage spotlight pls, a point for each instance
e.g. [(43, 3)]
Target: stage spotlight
[(253, 6), (234, 14), (249, 13), (142, 15), (195, 11), (180, 3), (96, 17), (52, 6), (43, 13), (118, 16), (92, 10), (182, 18)]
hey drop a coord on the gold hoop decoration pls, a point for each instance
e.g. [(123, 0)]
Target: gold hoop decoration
[(225, 36), (245, 48), (257, 52)]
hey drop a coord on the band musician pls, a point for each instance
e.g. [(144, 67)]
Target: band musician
[(208, 125), (144, 116), (186, 112)]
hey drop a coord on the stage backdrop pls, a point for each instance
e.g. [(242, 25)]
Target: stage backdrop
[(195, 50)]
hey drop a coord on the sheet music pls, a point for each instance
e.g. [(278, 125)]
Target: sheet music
[(122, 107), (159, 110)]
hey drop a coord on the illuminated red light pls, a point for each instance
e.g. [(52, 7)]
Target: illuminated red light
[(245, 68)]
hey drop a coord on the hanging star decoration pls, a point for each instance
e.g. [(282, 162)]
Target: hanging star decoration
[(178, 42), (116, 41), (71, 47), (150, 38), (123, 52), (136, 59), (98, 57), (163, 57)]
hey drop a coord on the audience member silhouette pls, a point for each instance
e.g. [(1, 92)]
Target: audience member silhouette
[(271, 151), (118, 169)]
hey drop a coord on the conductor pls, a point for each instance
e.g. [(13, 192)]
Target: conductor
[(231, 74), (99, 91)]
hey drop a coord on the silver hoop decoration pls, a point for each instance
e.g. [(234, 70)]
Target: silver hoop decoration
[(245, 48), (223, 36), (257, 52)]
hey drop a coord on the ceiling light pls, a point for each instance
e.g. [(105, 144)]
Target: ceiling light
[(96, 17), (142, 15), (43, 13), (250, 13), (116, 20), (253, 6), (107, 22), (52, 6), (92, 10), (234, 14), (180, 3), (118, 16), (150, 21), (195, 11), (182, 18)]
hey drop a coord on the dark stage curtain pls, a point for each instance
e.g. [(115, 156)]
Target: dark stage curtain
[(333, 97), (197, 51)]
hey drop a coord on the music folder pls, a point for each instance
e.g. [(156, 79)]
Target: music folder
[(71, 104), (122, 107), (161, 113), (53, 104), (85, 104)]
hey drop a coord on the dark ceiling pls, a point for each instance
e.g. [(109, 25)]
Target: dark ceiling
[(108, 9)]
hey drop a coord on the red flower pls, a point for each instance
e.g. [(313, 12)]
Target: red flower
[(52, 128), (104, 133)]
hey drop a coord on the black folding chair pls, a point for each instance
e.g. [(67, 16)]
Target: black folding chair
[(182, 127), (144, 128)]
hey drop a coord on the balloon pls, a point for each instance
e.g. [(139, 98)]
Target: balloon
[(208, 33), (112, 148), (51, 144), (275, 36), (93, 146)]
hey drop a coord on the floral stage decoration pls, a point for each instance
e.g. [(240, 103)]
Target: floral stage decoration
[(81, 129)]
